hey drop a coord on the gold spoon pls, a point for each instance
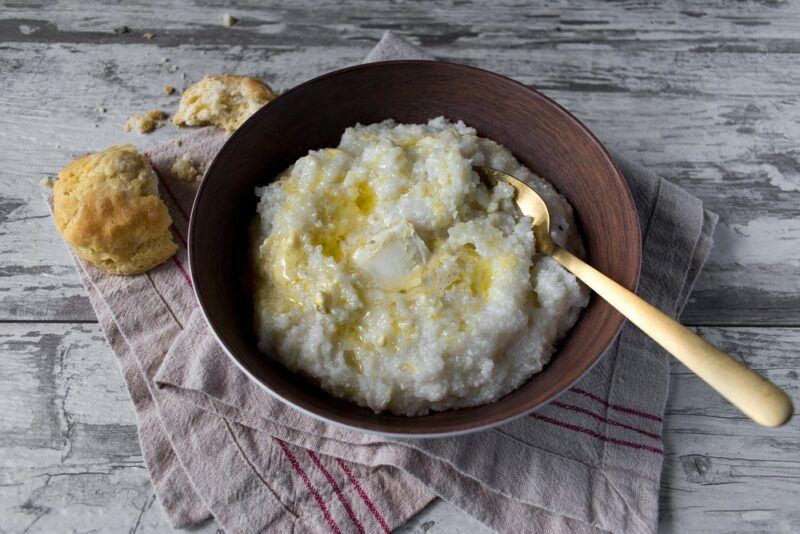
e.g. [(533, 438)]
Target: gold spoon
[(758, 398)]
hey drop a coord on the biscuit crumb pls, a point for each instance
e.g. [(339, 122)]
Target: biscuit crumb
[(228, 20), (47, 182), (183, 169), (146, 122), (168, 89), (148, 35), (224, 101)]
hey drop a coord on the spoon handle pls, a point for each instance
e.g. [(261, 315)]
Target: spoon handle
[(754, 395)]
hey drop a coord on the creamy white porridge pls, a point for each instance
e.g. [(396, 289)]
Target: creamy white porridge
[(388, 273)]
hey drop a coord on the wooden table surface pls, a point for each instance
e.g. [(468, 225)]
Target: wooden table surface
[(707, 95)]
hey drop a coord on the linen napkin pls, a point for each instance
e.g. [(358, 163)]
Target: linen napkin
[(216, 444)]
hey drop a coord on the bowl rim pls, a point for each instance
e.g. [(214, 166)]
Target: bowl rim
[(637, 238)]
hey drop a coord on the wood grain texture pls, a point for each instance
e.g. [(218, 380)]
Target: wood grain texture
[(69, 456), (69, 453), (722, 473), (705, 94)]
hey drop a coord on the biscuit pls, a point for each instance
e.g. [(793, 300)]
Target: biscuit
[(224, 101), (106, 206)]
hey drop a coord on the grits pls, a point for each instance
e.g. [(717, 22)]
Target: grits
[(389, 274)]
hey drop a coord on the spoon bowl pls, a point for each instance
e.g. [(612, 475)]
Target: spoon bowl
[(528, 201)]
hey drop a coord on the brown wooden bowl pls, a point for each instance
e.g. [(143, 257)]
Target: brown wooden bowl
[(539, 132)]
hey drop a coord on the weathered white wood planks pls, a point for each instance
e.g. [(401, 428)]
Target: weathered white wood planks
[(703, 94), (69, 453), (706, 97)]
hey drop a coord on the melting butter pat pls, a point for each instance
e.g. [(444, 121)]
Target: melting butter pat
[(392, 257)]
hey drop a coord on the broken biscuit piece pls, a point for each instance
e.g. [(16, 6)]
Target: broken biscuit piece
[(106, 206), (146, 122), (224, 101)]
